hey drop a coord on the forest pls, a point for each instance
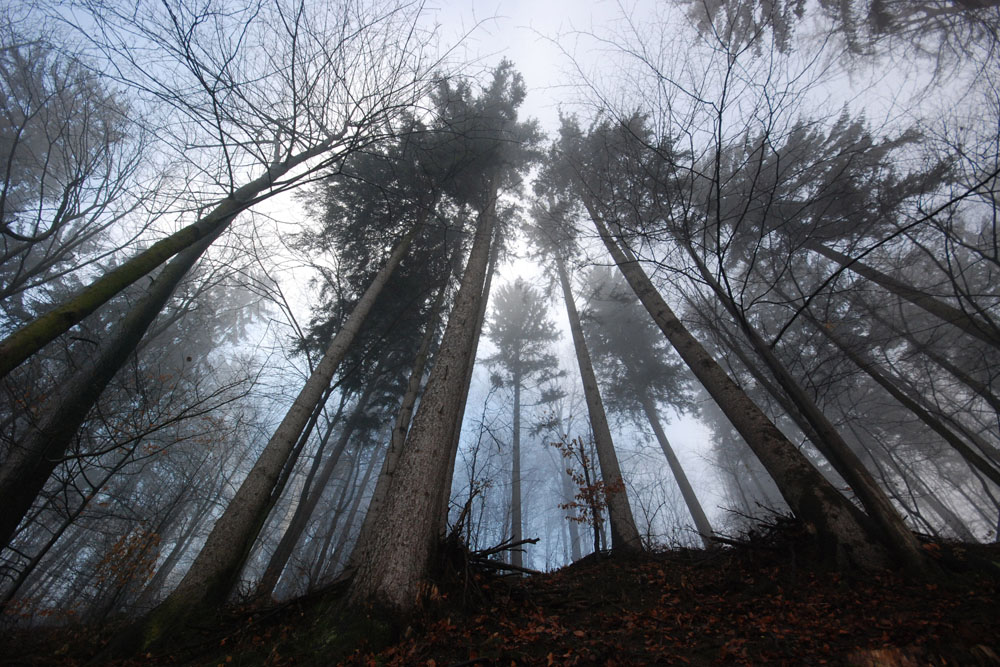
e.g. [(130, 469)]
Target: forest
[(328, 333)]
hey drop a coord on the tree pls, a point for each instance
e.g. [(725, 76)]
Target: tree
[(396, 561), (243, 106), (631, 358), (522, 333)]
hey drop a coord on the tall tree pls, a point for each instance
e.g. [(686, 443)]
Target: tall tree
[(632, 360), (397, 559), (522, 334)]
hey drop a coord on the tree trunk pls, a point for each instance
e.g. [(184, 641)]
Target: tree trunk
[(220, 561), (624, 534), (345, 534), (456, 435), (31, 461), (829, 441), (574, 530), (840, 528), (396, 560), (690, 499), (311, 494), (949, 436), (31, 337), (402, 425), (516, 535), (955, 316)]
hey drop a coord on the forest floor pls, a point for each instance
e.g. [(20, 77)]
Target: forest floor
[(763, 601)]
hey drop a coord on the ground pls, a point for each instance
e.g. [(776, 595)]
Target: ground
[(768, 600)]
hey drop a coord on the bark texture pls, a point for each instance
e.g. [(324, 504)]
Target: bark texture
[(395, 563)]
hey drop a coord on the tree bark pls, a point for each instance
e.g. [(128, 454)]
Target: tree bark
[(399, 430), (310, 497), (955, 316), (624, 534), (840, 528), (220, 561), (395, 562), (456, 435), (516, 535)]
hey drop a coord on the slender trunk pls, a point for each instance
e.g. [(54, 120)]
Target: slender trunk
[(949, 436), (347, 494), (979, 387), (402, 425), (338, 550), (687, 491), (44, 329), (311, 495), (840, 528), (574, 531), (973, 326), (31, 461), (624, 534), (180, 546), (829, 441), (396, 560), (220, 561), (595, 509), (516, 554)]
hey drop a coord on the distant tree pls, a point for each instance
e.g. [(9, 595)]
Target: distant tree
[(522, 333)]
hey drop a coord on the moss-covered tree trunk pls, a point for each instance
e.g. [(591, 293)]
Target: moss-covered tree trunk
[(32, 460), (34, 335)]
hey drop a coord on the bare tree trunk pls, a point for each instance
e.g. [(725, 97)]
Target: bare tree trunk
[(967, 453), (345, 534), (395, 562), (574, 531), (516, 535), (624, 534), (31, 337), (840, 528), (690, 498), (311, 494), (829, 441), (31, 461), (985, 331), (213, 573), (400, 428)]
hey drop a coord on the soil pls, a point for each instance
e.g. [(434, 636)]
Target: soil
[(768, 599)]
